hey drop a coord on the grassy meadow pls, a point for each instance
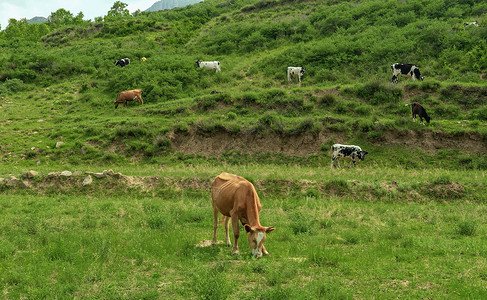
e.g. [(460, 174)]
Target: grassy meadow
[(334, 238), (408, 222)]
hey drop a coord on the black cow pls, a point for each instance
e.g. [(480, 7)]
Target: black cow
[(405, 70), (418, 110), (122, 62)]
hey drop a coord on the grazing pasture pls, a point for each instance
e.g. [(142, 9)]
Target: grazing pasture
[(334, 237), (408, 222)]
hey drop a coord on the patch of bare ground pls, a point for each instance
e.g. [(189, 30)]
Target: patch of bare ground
[(197, 141)]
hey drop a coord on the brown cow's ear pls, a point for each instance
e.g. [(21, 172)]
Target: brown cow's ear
[(248, 228), (269, 229)]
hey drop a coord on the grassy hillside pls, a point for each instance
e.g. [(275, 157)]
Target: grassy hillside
[(407, 221), (59, 84)]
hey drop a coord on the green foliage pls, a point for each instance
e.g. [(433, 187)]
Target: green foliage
[(467, 227)]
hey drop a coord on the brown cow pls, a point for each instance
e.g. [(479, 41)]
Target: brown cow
[(418, 110), (236, 198), (126, 96)]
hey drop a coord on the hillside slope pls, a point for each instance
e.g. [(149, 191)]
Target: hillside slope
[(58, 84)]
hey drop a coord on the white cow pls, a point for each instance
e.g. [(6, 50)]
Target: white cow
[(295, 71), (347, 152), (471, 24), (211, 65)]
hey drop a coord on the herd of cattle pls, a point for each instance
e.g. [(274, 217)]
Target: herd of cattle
[(234, 197)]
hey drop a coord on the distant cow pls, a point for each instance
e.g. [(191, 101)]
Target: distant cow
[(122, 62), (418, 110), (211, 65), (126, 96), (405, 70), (295, 71), (470, 24), (346, 152), (235, 197)]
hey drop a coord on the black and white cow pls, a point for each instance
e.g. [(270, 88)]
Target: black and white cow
[(347, 152), (418, 110), (211, 65), (122, 62), (405, 70), (295, 71), (471, 24)]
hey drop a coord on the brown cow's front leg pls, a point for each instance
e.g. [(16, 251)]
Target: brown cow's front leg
[(215, 225), (236, 233), (227, 231)]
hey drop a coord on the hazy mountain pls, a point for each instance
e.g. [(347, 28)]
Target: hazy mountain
[(37, 20), (168, 4)]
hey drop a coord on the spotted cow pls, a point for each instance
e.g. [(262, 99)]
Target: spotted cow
[(466, 24), (295, 71), (210, 65), (346, 152), (122, 62), (409, 70)]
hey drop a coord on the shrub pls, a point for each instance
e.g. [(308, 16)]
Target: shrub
[(467, 228), (363, 110), (302, 223), (479, 114), (327, 100), (11, 86), (447, 111)]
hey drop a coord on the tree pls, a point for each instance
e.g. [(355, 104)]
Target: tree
[(118, 10), (61, 16)]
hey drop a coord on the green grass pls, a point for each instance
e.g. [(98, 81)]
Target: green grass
[(140, 245)]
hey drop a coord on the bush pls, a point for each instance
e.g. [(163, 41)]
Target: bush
[(327, 100), (479, 114), (11, 86), (467, 228)]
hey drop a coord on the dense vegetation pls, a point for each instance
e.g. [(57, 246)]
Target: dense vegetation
[(408, 221)]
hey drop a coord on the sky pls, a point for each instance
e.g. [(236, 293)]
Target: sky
[(19, 9)]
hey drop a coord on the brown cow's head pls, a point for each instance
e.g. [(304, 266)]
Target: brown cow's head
[(256, 236)]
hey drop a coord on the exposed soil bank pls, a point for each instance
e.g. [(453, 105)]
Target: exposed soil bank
[(196, 141)]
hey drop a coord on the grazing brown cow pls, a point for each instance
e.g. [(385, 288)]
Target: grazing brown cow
[(236, 198), (418, 110), (126, 96)]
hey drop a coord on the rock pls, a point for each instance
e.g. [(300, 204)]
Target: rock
[(25, 184), (77, 173), (52, 174), (12, 182), (59, 144), (109, 172), (99, 175), (88, 180), (31, 174), (66, 173)]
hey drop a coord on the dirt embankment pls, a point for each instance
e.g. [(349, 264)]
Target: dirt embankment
[(109, 182), (204, 143)]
